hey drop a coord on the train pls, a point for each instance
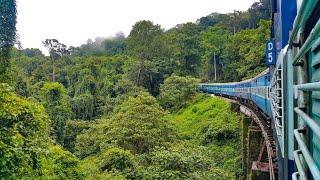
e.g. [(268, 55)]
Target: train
[(288, 91), (253, 90)]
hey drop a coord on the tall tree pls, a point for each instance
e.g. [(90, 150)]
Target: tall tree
[(188, 50), (244, 53), (141, 41), (56, 50), (148, 44), (213, 41), (8, 20)]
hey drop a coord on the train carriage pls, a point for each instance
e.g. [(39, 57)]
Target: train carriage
[(289, 90)]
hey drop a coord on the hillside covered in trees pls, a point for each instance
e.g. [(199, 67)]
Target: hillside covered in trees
[(127, 107)]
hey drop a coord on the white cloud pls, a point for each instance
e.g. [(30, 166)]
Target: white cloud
[(74, 21)]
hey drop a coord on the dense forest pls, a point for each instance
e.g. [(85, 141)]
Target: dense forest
[(127, 107)]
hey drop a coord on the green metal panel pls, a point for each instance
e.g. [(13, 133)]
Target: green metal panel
[(307, 90), (314, 77), (289, 103), (309, 43), (305, 11)]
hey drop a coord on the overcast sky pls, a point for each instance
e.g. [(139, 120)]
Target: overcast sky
[(74, 21)]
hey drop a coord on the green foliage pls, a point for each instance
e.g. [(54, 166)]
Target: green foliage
[(178, 161), (209, 122), (116, 159), (138, 125), (244, 54), (213, 41), (60, 164), (191, 157), (8, 20), (32, 52), (23, 135), (144, 40), (114, 46), (90, 166), (89, 141), (73, 129), (54, 98), (83, 106), (149, 45), (208, 119), (181, 161), (176, 91), (187, 49)]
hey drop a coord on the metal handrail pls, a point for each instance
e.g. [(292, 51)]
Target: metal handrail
[(303, 15), (302, 174), (308, 43), (309, 86), (310, 122), (295, 176), (306, 155), (303, 155)]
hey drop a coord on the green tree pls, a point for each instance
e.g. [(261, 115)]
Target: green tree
[(211, 20), (8, 20), (148, 45), (56, 50), (176, 91), (116, 159), (60, 164), (138, 125), (32, 52), (88, 143), (73, 129), (259, 10), (186, 42), (142, 40), (244, 55), (213, 41), (54, 99), (24, 135), (115, 45)]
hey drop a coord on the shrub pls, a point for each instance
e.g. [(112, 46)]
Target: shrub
[(55, 100), (176, 91), (138, 125), (24, 133), (116, 159), (60, 164)]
